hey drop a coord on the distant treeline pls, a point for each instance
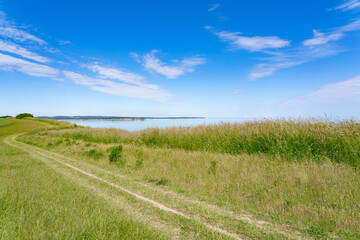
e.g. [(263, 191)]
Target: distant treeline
[(113, 118)]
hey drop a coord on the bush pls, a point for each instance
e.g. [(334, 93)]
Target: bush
[(116, 156), (24, 115), (94, 154), (7, 116)]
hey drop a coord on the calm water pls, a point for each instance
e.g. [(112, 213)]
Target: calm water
[(135, 125)]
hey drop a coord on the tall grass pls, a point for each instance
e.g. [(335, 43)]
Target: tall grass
[(294, 140), (268, 168)]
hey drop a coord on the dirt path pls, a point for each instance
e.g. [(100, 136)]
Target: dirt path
[(11, 140)]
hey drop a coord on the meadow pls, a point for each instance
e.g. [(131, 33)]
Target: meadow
[(302, 174), (36, 202)]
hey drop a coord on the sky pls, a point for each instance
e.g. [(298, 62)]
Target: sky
[(225, 58)]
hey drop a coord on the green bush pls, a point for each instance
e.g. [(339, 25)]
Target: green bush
[(116, 155), (94, 154), (24, 115)]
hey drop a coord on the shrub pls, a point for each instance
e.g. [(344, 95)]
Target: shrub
[(162, 181), (116, 156), (24, 115), (95, 154), (7, 116)]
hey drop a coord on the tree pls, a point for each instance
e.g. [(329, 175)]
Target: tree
[(24, 115)]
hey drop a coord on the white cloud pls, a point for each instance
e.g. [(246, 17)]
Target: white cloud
[(113, 73), (10, 30), (348, 5), (334, 35), (16, 49), (154, 64), (253, 44), (109, 80), (213, 7), (120, 89), (343, 91), (9, 63), (120, 75), (320, 46), (268, 69), (64, 42), (291, 58), (322, 38)]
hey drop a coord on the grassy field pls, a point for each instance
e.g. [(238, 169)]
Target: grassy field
[(258, 180), (4, 122), (36, 202)]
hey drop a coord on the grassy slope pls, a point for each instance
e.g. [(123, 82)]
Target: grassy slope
[(36, 202), (4, 122), (316, 195)]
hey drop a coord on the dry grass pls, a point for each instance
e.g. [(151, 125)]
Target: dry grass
[(295, 140), (311, 188)]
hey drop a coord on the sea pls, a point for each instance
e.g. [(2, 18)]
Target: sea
[(136, 125)]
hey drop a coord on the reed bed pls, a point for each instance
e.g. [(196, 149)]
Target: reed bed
[(292, 140)]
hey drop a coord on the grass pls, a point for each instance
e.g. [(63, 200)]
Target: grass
[(296, 140), (302, 174), (36, 202), (4, 122)]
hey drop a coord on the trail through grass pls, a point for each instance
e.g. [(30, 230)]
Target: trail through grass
[(38, 203), (195, 193)]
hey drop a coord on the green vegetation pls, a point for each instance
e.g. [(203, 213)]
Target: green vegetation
[(94, 154), (37, 201), (7, 116), (297, 140), (116, 156), (4, 122), (312, 192), (302, 174), (24, 115)]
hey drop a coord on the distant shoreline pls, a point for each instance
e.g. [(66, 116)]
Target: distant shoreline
[(112, 118)]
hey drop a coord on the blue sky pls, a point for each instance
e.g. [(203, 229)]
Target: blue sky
[(180, 58)]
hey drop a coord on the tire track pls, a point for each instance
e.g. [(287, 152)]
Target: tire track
[(10, 140)]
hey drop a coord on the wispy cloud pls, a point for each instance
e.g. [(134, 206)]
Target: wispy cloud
[(9, 29), (321, 38), (291, 58), (120, 89), (214, 6), (117, 74), (320, 46), (10, 47), (64, 42), (154, 64), (348, 5), (268, 69), (9, 63), (254, 44), (108, 80), (121, 75), (343, 91)]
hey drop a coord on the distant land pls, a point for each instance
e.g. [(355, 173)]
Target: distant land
[(112, 118)]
